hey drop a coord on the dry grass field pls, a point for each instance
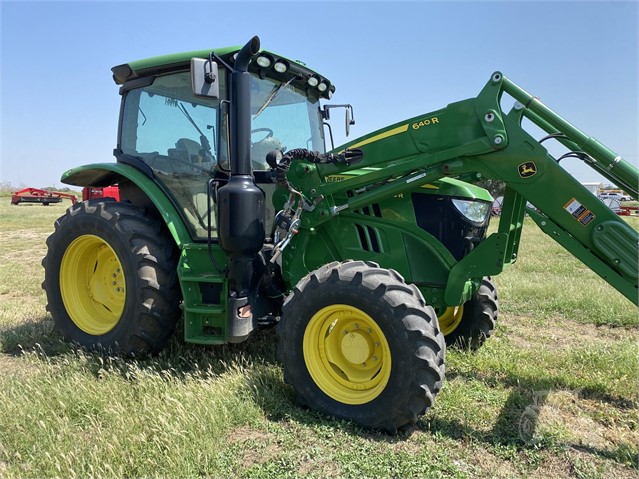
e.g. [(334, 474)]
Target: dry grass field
[(552, 394)]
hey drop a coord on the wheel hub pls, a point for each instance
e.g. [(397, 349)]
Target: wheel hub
[(356, 348), (347, 354), (92, 284)]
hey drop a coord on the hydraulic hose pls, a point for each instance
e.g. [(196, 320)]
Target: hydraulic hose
[(281, 163)]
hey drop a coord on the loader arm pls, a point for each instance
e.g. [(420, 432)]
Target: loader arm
[(474, 139)]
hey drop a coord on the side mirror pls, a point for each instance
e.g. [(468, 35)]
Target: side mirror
[(204, 77), (349, 119)]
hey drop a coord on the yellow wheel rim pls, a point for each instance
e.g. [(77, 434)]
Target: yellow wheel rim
[(92, 285), (346, 354), (450, 319)]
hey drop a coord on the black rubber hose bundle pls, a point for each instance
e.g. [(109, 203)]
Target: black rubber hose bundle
[(281, 162)]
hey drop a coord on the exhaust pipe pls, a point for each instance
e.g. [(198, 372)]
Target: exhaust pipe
[(241, 204), (241, 109)]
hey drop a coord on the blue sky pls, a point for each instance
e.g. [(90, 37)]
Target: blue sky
[(390, 60)]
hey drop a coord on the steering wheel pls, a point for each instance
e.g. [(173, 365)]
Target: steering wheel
[(269, 134)]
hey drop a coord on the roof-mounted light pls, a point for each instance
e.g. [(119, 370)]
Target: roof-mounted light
[(322, 87), (264, 61), (312, 81), (280, 66)]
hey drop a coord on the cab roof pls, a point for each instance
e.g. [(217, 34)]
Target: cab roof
[(181, 61)]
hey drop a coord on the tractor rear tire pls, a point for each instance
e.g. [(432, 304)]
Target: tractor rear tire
[(111, 278), (478, 318), (358, 343)]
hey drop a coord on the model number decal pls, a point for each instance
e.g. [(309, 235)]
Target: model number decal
[(428, 121), (415, 178)]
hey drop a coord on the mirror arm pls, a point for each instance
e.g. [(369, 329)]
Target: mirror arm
[(215, 56)]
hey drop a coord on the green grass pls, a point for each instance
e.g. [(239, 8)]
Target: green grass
[(552, 394), (547, 280)]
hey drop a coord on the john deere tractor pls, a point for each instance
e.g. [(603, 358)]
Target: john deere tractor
[(238, 213)]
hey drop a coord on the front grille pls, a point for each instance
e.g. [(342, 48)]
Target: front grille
[(437, 215)]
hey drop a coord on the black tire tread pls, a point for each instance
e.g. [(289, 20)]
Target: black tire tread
[(155, 258), (409, 308), (479, 318)]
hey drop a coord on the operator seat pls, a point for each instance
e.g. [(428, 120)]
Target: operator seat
[(186, 150), (191, 146)]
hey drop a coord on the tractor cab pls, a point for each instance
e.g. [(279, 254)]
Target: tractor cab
[(182, 140)]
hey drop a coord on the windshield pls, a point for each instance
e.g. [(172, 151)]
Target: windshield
[(282, 117)]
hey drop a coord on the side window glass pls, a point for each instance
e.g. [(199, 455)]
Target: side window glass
[(175, 134)]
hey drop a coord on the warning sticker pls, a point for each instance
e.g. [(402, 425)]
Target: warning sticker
[(587, 218), (579, 212)]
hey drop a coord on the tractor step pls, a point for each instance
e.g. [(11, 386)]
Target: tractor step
[(204, 294)]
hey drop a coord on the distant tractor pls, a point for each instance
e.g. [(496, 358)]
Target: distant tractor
[(237, 213)]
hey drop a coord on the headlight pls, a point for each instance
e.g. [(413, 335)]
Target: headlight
[(475, 211)]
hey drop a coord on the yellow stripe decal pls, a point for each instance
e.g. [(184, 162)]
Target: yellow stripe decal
[(381, 136)]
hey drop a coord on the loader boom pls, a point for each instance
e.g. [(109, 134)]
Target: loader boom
[(472, 140)]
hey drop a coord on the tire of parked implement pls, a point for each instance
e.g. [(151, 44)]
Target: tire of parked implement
[(358, 343), (111, 278), (478, 320)]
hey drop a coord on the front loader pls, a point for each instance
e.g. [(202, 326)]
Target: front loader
[(369, 258)]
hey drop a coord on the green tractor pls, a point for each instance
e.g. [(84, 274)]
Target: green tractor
[(238, 213)]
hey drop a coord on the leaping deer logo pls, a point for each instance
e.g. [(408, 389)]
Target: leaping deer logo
[(528, 169)]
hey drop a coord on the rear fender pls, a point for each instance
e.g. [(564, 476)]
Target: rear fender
[(131, 181)]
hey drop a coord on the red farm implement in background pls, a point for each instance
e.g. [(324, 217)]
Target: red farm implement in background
[(90, 192), (44, 197), (628, 211)]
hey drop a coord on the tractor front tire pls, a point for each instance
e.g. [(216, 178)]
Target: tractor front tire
[(468, 326), (111, 278), (358, 343)]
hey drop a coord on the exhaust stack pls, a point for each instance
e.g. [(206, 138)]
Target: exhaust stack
[(241, 203)]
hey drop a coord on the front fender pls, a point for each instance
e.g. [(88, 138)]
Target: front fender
[(106, 174)]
